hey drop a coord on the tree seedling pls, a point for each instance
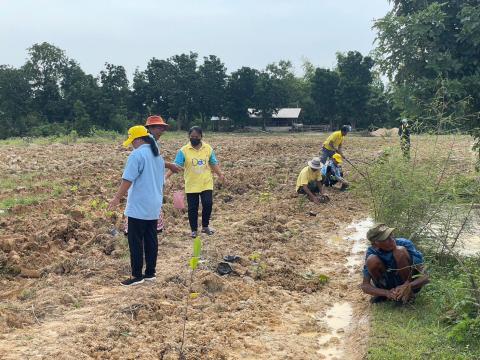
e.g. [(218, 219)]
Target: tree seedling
[(193, 263)]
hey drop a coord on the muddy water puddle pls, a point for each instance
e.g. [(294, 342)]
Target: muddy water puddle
[(470, 240), (471, 245), (338, 318), (359, 244)]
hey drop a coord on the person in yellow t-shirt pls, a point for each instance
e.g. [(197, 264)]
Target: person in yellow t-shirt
[(309, 182), (198, 161), (333, 144)]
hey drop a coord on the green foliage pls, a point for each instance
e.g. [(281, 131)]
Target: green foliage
[(212, 79), (173, 124), (104, 134), (255, 256), (265, 196), (321, 279), (193, 263), (240, 94), (407, 194), (57, 190), (9, 203), (324, 93), (197, 249), (81, 122), (466, 331), (272, 182), (271, 92), (353, 91), (427, 47), (27, 294), (258, 270), (52, 95)]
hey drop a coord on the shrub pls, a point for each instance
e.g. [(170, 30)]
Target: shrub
[(466, 330), (409, 194), (172, 123)]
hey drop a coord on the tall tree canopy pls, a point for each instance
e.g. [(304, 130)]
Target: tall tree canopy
[(51, 94), (430, 51)]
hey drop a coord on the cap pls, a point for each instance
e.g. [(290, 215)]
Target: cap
[(379, 232), (135, 132), (338, 158)]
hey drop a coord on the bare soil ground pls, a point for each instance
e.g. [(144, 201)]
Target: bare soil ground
[(62, 256)]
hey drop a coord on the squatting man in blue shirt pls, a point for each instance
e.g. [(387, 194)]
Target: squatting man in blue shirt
[(393, 267)]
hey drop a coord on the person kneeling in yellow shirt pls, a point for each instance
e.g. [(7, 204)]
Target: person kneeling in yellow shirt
[(309, 182)]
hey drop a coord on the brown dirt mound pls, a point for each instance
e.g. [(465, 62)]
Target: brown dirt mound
[(383, 132)]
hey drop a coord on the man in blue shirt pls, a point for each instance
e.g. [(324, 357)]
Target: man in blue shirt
[(390, 266)]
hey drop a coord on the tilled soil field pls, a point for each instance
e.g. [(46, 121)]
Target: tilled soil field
[(293, 295)]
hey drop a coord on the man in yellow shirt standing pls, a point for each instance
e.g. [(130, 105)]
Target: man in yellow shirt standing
[(333, 144), (309, 181)]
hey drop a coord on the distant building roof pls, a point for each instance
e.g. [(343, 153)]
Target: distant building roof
[(217, 118), (283, 113)]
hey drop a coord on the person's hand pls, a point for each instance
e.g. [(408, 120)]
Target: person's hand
[(396, 292), (175, 168), (403, 292), (316, 200), (222, 179), (391, 294), (406, 293), (113, 204), (324, 198)]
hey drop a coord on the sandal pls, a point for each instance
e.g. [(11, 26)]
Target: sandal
[(208, 231)]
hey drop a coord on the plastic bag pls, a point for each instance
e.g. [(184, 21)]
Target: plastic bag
[(179, 200)]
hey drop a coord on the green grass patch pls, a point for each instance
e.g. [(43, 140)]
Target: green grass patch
[(9, 203), (439, 325), (98, 136), (12, 182)]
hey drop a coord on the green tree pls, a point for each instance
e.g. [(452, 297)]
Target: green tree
[(355, 77), (379, 109), (78, 86), (139, 101), (212, 83), (427, 47), (15, 102), (114, 94), (271, 94), (44, 70), (324, 90), (183, 100), (81, 120), (240, 94), (158, 86)]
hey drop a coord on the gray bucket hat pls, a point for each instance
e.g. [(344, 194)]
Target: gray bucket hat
[(315, 163), (379, 232)]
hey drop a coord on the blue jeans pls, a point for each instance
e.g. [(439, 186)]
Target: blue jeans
[(326, 154)]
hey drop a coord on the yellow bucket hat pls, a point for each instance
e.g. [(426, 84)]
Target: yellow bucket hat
[(338, 158), (135, 132)]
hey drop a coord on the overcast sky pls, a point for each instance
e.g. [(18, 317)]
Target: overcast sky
[(241, 32)]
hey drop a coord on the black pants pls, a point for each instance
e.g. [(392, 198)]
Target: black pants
[(142, 235), (193, 203), (312, 186)]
